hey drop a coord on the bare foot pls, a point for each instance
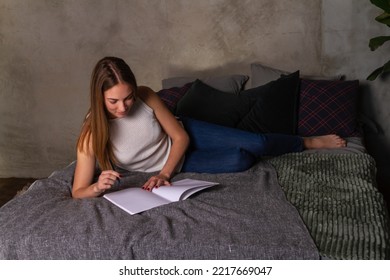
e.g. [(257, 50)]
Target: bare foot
[(323, 142)]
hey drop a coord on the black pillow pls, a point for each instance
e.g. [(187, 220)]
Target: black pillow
[(206, 103), (275, 108)]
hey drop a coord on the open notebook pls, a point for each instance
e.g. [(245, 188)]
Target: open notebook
[(136, 200)]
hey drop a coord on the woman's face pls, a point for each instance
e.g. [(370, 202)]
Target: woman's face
[(118, 100)]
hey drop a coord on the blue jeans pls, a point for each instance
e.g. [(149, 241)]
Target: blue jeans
[(219, 149)]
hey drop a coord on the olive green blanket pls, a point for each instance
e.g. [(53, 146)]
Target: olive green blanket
[(337, 198)]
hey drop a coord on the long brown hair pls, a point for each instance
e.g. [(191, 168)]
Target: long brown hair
[(107, 73)]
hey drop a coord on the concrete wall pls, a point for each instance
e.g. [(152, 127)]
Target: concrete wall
[(48, 49)]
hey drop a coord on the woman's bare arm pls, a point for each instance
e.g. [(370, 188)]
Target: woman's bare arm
[(175, 131), (83, 185)]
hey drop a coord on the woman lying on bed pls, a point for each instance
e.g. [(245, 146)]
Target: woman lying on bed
[(130, 127)]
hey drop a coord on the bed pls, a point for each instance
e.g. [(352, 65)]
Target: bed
[(318, 204)]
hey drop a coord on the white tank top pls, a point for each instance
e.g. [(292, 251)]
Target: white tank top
[(138, 140)]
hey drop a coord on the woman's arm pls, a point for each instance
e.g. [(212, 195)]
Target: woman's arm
[(175, 131), (84, 173)]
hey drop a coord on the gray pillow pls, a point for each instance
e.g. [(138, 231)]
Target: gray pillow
[(230, 83), (261, 74)]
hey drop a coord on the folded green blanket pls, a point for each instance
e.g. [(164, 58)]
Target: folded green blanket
[(337, 198)]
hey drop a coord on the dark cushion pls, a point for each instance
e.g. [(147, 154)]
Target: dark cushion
[(274, 107), (171, 96), (328, 107), (205, 103)]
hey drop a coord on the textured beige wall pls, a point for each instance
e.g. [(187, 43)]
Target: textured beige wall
[(48, 48)]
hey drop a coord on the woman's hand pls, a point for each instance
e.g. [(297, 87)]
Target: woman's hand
[(106, 180), (156, 181)]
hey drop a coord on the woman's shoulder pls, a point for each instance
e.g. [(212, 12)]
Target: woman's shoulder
[(148, 96), (85, 143), (145, 92)]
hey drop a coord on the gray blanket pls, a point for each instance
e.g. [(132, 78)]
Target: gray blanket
[(246, 217)]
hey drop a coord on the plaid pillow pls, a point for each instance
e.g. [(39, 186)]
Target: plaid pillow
[(171, 96), (328, 107)]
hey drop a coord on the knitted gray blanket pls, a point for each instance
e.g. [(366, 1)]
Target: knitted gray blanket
[(338, 201), (247, 216)]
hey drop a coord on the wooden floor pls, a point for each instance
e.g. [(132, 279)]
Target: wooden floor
[(10, 186)]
